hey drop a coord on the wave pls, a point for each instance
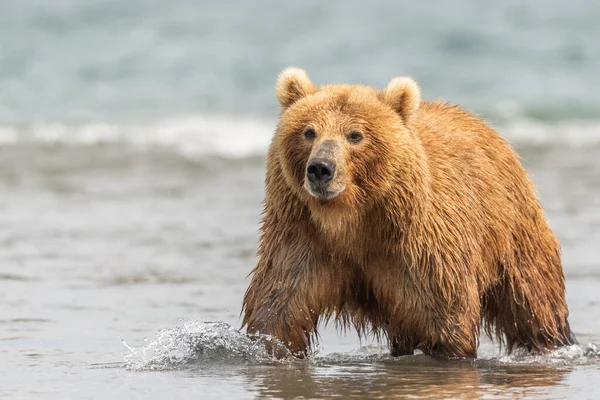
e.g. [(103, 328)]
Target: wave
[(190, 136), (243, 137)]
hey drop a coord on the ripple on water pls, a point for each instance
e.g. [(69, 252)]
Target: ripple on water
[(213, 343), (568, 355)]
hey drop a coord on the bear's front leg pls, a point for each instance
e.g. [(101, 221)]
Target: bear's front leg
[(442, 326), (286, 294), (401, 344), (454, 332)]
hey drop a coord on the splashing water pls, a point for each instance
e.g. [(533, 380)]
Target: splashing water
[(574, 354), (213, 343), (193, 342)]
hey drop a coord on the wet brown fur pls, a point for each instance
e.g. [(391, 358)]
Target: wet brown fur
[(437, 234)]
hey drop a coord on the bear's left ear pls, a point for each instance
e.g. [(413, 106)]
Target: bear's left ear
[(292, 85), (403, 95)]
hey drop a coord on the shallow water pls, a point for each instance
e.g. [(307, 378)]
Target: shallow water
[(109, 243), (132, 142)]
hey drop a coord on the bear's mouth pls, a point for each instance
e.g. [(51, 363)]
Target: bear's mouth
[(322, 192)]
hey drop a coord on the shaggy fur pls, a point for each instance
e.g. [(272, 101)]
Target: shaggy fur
[(436, 234)]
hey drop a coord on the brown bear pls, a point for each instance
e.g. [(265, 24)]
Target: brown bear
[(408, 219)]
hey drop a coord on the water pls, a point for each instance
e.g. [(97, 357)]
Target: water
[(132, 142)]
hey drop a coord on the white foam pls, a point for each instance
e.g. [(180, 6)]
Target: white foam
[(241, 137), (190, 136), (8, 135), (574, 354), (571, 133), (193, 342)]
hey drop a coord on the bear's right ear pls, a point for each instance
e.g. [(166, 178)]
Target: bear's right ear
[(403, 95), (292, 85)]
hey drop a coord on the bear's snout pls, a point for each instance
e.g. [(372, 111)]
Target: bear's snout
[(324, 177), (320, 171)]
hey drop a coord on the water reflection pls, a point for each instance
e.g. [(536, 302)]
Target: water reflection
[(416, 376)]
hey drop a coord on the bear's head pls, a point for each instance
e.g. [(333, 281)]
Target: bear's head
[(341, 146)]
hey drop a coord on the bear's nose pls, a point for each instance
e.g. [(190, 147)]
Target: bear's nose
[(320, 171)]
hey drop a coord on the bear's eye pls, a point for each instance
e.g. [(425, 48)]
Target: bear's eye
[(355, 137), (310, 133)]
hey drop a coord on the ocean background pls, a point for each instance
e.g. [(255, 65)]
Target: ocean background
[(132, 143)]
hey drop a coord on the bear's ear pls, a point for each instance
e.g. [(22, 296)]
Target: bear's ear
[(403, 95), (292, 85)]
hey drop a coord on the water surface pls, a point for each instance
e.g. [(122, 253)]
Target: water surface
[(132, 142)]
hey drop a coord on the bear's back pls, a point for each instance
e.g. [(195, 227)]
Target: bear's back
[(465, 156), (479, 194)]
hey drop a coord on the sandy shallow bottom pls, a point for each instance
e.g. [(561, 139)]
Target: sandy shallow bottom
[(100, 245)]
